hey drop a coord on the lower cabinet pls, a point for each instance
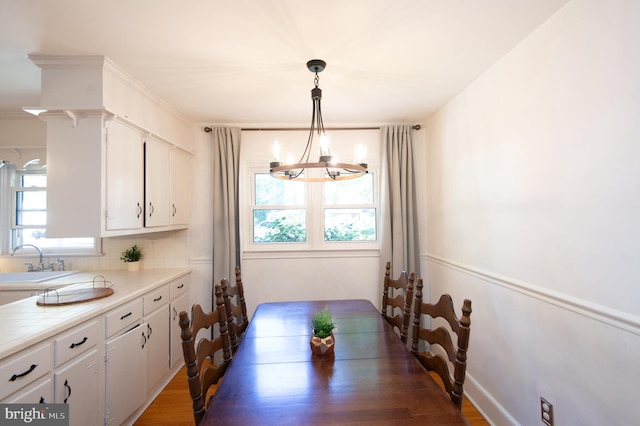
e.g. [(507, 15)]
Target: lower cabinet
[(181, 303), (126, 373), (39, 393), (157, 345), (108, 367), (76, 384)]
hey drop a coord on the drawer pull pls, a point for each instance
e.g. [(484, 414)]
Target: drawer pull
[(42, 401), (16, 376), (158, 299), (74, 345), (125, 315), (66, 385), (180, 286)]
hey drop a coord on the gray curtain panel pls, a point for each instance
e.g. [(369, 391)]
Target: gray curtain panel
[(400, 237), (226, 224)]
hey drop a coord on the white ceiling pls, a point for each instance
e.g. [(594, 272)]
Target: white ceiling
[(243, 61)]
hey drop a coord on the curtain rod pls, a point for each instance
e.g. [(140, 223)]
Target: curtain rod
[(290, 129)]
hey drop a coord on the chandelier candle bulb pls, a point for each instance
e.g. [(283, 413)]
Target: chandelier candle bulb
[(276, 151)]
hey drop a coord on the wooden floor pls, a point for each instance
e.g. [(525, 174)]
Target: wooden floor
[(173, 406)]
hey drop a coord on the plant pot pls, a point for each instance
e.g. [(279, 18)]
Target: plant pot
[(133, 266), (322, 347)]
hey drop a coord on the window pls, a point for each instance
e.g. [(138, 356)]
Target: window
[(284, 215), (313, 213), (29, 214)]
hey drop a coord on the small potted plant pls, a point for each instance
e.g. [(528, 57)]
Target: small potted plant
[(131, 257), (322, 341)]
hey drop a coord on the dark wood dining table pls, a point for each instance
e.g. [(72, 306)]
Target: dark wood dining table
[(372, 378)]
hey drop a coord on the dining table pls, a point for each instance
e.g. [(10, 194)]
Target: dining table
[(370, 379)]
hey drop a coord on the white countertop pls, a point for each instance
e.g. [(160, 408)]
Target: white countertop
[(24, 323)]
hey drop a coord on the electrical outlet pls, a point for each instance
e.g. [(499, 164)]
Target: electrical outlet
[(546, 411)]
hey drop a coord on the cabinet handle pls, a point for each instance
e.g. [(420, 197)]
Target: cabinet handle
[(139, 211), (174, 209), (175, 313), (42, 401), (149, 330), (73, 345), (16, 376), (125, 315), (66, 385), (151, 208), (158, 299), (180, 286), (144, 340)]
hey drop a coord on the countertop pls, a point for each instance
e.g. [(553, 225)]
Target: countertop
[(24, 323)]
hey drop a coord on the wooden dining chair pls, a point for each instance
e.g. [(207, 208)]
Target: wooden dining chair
[(454, 353), (396, 307), (236, 308), (206, 361)]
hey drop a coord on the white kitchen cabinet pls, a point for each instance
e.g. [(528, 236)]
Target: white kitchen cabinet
[(181, 303), (180, 186), (123, 177), (38, 393), (157, 183), (179, 294), (76, 381), (76, 384), (156, 311), (125, 374), (24, 368)]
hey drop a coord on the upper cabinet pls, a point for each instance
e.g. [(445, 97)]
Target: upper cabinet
[(117, 156)]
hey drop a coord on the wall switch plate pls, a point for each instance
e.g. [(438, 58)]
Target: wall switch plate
[(546, 412)]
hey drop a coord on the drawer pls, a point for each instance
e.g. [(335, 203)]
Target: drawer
[(24, 367), (179, 286), (123, 316), (74, 342), (156, 298)]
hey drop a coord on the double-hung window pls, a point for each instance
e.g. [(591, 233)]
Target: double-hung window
[(294, 215)]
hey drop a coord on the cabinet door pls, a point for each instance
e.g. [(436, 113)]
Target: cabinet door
[(157, 345), (180, 304), (40, 393), (126, 373), (156, 183), (124, 177), (76, 384), (180, 187)]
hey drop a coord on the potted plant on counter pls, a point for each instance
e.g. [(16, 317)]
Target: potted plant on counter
[(131, 257), (322, 341)]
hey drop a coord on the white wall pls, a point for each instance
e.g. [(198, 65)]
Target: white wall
[(534, 199)]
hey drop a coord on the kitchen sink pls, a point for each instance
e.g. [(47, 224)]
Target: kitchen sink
[(32, 277)]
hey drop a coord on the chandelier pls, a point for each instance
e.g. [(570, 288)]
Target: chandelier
[(331, 168)]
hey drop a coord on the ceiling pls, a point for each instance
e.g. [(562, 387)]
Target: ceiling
[(243, 61)]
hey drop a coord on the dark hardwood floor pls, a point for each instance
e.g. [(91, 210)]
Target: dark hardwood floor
[(173, 406)]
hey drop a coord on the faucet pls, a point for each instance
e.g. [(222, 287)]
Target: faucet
[(40, 264)]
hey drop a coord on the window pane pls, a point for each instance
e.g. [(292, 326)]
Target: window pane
[(32, 200), (278, 192), (350, 191), (350, 224), (38, 237), (279, 226), (29, 180)]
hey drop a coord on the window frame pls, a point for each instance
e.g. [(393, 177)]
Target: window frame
[(314, 208)]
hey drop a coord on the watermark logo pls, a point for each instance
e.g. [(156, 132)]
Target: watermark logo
[(34, 414)]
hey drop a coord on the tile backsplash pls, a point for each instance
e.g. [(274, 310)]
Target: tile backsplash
[(159, 250)]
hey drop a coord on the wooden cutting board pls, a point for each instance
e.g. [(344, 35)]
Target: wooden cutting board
[(71, 296)]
